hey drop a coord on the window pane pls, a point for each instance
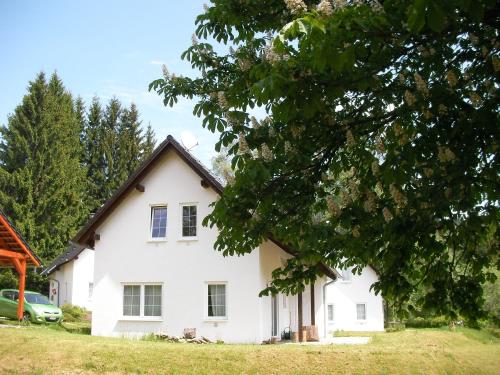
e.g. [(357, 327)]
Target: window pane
[(217, 300), (152, 300), (189, 221), (330, 313), (158, 222), (131, 300), (361, 311)]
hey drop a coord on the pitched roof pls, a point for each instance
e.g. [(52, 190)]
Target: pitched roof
[(12, 240), (85, 235), (71, 253)]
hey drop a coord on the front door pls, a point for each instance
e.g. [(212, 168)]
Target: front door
[(274, 315)]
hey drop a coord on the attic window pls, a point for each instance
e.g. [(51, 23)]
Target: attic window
[(158, 222)]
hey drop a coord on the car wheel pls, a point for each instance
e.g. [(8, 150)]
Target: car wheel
[(26, 317)]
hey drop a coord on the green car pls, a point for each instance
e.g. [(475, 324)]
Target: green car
[(37, 307)]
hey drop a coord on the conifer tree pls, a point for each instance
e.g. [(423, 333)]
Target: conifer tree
[(149, 143), (93, 140), (42, 183), (111, 125), (129, 144)]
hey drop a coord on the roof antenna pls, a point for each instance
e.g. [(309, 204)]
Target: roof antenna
[(188, 140)]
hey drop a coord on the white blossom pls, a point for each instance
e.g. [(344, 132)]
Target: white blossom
[(370, 203), (243, 145), (325, 8), (375, 168), (355, 231), (296, 6), (255, 123), (442, 109), (333, 207), (194, 40), (410, 98), (452, 78), (496, 63), (445, 154), (166, 74), (387, 214), (221, 97), (244, 64), (351, 142), (397, 196), (475, 99), (377, 7), (380, 144), (267, 154), (428, 172), (288, 147), (421, 84)]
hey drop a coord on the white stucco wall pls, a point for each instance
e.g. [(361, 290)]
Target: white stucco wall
[(83, 275), (63, 286), (71, 281), (345, 295), (125, 254)]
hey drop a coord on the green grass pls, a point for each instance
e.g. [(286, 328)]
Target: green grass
[(45, 350)]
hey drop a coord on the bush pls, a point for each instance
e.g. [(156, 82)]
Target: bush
[(73, 313), (436, 322)]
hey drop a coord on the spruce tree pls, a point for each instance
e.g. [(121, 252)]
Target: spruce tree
[(94, 160), (129, 144), (148, 145), (42, 183), (110, 138)]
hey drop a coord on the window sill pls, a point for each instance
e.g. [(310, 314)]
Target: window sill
[(141, 318), (215, 320), (156, 240), (187, 239)]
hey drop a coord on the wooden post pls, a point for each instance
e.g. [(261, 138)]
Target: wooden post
[(313, 311), (300, 325), (20, 265)]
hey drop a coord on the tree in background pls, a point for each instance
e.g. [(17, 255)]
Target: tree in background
[(59, 162), (149, 143), (383, 114), (42, 182)]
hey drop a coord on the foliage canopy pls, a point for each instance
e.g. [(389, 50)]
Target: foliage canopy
[(379, 145)]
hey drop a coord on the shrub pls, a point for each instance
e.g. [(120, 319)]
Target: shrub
[(436, 322), (72, 313)]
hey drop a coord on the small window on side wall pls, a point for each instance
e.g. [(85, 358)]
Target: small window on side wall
[(331, 313), (158, 222), (189, 220), (361, 311), (216, 306)]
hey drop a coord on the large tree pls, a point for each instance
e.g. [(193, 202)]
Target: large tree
[(380, 144), (42, 182)]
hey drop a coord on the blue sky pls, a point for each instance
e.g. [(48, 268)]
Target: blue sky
[(102, 48)]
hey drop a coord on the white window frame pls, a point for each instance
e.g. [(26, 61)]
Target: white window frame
[(142, 301), (205, 305), (366, 311), (150, 234), (181, 206), (330, 321)]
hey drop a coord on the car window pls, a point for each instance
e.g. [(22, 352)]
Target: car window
[(36, 298), (7, 294)]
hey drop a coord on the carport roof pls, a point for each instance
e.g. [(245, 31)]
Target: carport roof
[(11, 241)]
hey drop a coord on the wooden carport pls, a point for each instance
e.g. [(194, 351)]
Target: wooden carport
[(15, 252)]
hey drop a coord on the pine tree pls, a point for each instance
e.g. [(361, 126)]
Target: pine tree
[(94, 160), (111, 125), (148, 145), (129, 144), (42, 182)]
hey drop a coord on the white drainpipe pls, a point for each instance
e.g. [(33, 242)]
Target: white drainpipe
[(325, 307)]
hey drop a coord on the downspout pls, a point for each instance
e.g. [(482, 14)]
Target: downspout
[(325, 308)]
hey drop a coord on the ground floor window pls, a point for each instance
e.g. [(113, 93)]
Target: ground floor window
[(142, 299), (216, 300), (331, 313), (361, 311)]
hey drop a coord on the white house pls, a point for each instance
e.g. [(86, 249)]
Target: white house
[(71, 277), (351, 306), (155, 268)]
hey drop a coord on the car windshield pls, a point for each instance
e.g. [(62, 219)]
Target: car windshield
[(36, 299)]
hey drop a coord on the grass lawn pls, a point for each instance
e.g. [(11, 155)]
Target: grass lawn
[(44, 350)]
